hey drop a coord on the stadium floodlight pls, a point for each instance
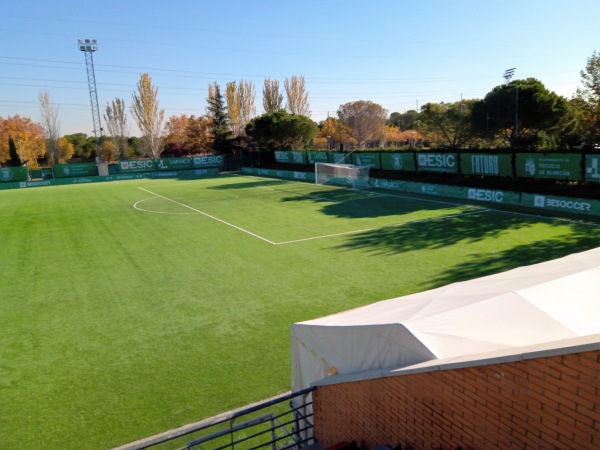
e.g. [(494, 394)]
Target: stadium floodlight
[(88, 47), (508, 74), (342, 174)]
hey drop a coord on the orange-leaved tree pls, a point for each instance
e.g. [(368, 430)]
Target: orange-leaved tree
[(27, 136)]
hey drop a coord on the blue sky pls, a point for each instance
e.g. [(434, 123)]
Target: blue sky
[(398, 54)]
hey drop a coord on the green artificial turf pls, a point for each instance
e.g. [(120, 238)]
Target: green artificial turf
[(130, 308)]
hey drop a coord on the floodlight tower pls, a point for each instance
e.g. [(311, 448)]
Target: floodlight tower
[(508, 74), (88, 47)]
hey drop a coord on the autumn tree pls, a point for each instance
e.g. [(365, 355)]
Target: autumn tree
[(587, 101), (451, 121), (51, 126), (27, 136), (66, 150), (217, 112), (336, 132), (109, 150), (240, 99), (272, 98), (148, 115), (198, 135), (116, 122), (187, 135), (365, 120), (234, 108), (393, 135), (175, 135), (297, 96)]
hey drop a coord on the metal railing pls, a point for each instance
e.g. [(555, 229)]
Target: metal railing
[(281, 423)]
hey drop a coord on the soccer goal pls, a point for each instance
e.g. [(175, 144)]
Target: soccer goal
[(342, 174)]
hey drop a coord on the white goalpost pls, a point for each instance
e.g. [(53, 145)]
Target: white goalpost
[(342, 174)]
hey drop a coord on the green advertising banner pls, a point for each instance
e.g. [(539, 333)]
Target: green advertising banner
[(498, 165), (208, 161), (398, 161), (340, 158), (563, 204), (370, 159), (556, 166), (19, 173), (299, 157), (140, 165), (174, 163), (283, 156), (287, 174), (465, 193), (192, 173), (75, 170), (437, 162), (592, 168), (315, 157)]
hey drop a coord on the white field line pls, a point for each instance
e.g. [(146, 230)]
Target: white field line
[(135, 206), (211, 217), (396, 225), (320, 197)]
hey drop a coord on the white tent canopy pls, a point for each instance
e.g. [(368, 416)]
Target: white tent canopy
[(551, 301)]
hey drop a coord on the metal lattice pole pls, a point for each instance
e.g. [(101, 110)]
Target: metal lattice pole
[(88, 47)]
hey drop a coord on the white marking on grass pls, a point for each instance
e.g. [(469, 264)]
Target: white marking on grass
[(547, 218), (135, 206), (395, 225), (320, 197), (210, 217)]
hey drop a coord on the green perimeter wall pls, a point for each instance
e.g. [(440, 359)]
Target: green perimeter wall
[(535, 201), (192, 173), (555, 166), (8, 174)]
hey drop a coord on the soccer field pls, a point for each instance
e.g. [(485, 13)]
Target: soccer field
[(130, 308)]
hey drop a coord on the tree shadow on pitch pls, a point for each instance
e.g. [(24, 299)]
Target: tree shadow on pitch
[(432, 232), (522, 255), (466, 229)]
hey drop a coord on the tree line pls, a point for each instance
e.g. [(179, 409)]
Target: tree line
[(518, 114)]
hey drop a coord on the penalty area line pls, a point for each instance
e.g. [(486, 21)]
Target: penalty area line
[(210, 217)]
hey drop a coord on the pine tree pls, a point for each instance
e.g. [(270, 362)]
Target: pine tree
[(217, 111), (15, 161)]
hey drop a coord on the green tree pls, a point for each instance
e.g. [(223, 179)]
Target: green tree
[(404, 121), (282, 130), (517, 111), (83, 146), (217, 111), (587, 101), (451, 121), (135, 147)]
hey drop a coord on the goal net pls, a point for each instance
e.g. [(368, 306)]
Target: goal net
[(342, 174)]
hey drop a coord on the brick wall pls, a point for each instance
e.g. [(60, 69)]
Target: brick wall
[(546, 403)]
